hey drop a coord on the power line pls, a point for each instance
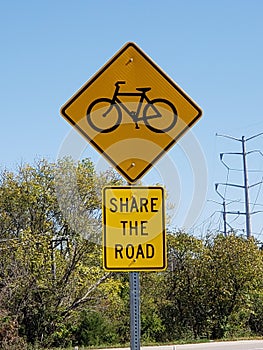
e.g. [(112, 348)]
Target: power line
[(258, 192), (245, 185)]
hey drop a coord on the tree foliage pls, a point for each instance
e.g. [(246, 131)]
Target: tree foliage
[(50, 265), (210, 285), (54, 292)]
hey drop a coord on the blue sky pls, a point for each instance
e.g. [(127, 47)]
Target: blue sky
[(213, 49)]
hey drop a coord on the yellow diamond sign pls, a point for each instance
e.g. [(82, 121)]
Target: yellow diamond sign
[(131, 112), (134, 229)]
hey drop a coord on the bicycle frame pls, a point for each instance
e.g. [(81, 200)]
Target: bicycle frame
[(133, 114)]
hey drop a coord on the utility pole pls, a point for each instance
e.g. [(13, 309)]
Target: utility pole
[(224, 208), (245, 185), (225, 212), (248, 220)]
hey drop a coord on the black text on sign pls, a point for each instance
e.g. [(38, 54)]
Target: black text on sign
[(134, 229)]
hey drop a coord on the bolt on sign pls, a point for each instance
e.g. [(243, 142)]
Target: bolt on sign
[(134, 229), (131, 112)]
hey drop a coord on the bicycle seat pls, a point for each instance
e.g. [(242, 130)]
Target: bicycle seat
[(120, 82), (143, 89)]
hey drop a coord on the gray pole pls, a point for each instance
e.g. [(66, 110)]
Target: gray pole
[(224, 208), (135, 317), (224, 217), (248, 222), (135, 310)]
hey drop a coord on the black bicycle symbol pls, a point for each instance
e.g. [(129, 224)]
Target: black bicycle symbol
[(109, 110)]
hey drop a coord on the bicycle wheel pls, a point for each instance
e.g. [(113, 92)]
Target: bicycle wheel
[(160, 115), (103, 116)]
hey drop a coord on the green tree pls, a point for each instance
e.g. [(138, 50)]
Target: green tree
[(53, 290), (50, 228), (235, 274), (184, 291), (151, 294), (211, 286)]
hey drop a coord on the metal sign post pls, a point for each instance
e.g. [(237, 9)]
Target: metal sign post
[(135, 326), (134, 239), (135, 315)]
